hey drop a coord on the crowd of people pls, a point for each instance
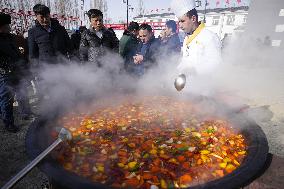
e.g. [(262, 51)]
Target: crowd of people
[(48, 43)]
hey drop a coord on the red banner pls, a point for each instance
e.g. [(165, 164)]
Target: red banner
[(116, 26)]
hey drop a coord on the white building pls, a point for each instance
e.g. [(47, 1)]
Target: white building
[(266, 22), (221, 21), (225, 21)]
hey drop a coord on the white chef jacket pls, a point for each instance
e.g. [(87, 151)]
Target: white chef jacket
[(201, 55)]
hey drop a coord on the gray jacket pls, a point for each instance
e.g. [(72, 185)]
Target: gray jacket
[(92, 48)]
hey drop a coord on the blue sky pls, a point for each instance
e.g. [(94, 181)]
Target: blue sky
[(117, 9)]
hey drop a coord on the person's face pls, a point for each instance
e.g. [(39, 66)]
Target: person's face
[(168, 31), (145, 36), (5, 28), (135, 32), (44, 20), (163, 34), (97, 22), (187, 24)]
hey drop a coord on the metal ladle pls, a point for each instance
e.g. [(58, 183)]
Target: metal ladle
[(63, 135), (180, 82)]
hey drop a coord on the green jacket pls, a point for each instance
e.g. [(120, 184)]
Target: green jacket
[(127, 47)]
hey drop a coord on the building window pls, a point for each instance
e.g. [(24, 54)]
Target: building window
[(230, 19), (245, 19), (275, 43), (279, 28), (198, 3), (151, 20), (215, 20), (281, 13)]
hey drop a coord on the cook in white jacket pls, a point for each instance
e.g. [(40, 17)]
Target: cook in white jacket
[(201, 47)]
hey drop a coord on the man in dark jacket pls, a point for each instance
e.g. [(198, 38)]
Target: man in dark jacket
[(97, 40), (172, 43), (47, 39), (75, 40), (26, 77), (10, 67), (147, 51), (128, 43), (76, 37)]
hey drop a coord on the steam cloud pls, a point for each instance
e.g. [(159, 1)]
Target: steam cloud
[(250, 73)]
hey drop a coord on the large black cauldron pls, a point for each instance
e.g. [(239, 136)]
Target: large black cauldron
[(38, 138)]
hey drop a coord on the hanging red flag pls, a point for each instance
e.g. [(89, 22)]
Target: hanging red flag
[(228, 2), (239, 1)]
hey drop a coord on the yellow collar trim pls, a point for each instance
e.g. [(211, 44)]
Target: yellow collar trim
[(189, 38)]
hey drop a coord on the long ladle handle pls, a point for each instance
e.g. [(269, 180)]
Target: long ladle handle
[(31, 165), (63, 135)]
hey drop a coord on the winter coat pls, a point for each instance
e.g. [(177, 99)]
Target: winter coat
[(172, 45), (46, 46), (11, 62), (150, 58), (202, 54), (22, 45), (75, 39), (127, 47), (93, 48), (152, 52)]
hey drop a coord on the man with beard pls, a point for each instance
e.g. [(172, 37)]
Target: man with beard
[(97, 40), (201, 47), (10, 68), (48, 41)]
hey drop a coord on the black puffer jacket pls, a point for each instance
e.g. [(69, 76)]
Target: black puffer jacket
[(11, 62), (92, 48), (46, 46)]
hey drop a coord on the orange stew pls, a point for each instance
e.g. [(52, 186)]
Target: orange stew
[(152, 142)]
